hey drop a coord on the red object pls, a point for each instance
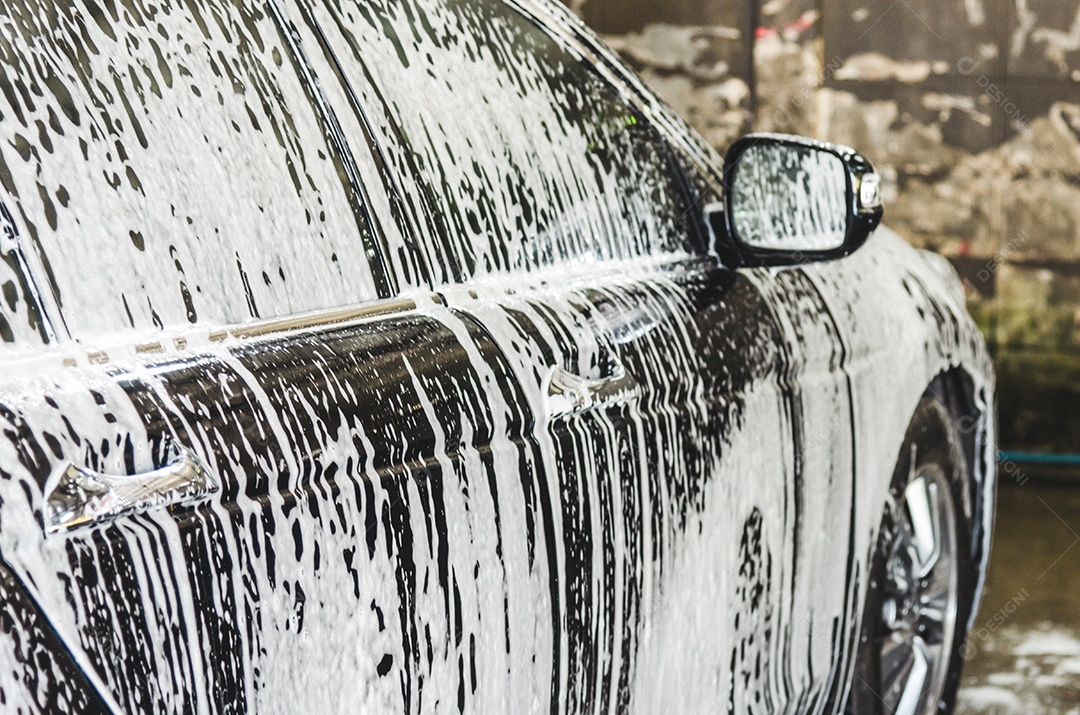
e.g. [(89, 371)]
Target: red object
[(803, 23)]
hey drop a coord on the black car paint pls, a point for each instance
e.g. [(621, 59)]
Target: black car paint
[(430, 387)]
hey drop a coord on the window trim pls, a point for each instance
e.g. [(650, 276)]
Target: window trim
[(29, 262)]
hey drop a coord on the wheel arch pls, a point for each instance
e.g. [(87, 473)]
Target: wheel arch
[(971, 407)]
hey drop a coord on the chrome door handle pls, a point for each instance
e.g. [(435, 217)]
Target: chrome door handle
[(568, 393), (81, 497)]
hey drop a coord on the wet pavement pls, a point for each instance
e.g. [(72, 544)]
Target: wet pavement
[(1023, 654)]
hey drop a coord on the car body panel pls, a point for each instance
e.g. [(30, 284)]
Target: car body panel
[(408, 520), (712, 579), (332, 464)]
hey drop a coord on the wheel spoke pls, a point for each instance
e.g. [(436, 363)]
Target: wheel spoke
[(897, 659), (915, 687), (921, 503)]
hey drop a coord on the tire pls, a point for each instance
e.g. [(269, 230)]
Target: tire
[(931, 480)]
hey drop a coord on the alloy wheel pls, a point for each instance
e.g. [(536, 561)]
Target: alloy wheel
[(919, 607)]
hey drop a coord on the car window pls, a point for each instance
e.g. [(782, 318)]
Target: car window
[(166, 164), (519, 154)]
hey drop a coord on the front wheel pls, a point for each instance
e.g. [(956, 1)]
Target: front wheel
[(922, 579)]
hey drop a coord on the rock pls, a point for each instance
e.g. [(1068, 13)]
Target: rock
[(876, 67), (700, 53), (719, 111), (789, 73)]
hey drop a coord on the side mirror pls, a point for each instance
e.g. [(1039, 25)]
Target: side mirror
[(789, 200)]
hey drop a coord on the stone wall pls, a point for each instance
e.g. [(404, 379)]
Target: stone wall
[(971, 110)]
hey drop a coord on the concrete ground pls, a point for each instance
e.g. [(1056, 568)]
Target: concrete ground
[(1023, 654)]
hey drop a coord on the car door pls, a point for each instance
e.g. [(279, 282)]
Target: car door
[(238, 472), (693, 422)]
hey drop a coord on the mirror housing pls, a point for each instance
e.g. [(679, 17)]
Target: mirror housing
[(789, 200)]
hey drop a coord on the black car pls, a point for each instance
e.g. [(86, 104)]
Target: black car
[(409, 356)]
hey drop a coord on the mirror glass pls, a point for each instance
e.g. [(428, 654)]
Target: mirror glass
[(786, 197)]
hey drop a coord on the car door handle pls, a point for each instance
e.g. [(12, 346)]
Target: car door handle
[(82, 497), (568, 393)]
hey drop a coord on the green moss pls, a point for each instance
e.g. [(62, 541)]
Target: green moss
[(1037, 359), (1038, 398)]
